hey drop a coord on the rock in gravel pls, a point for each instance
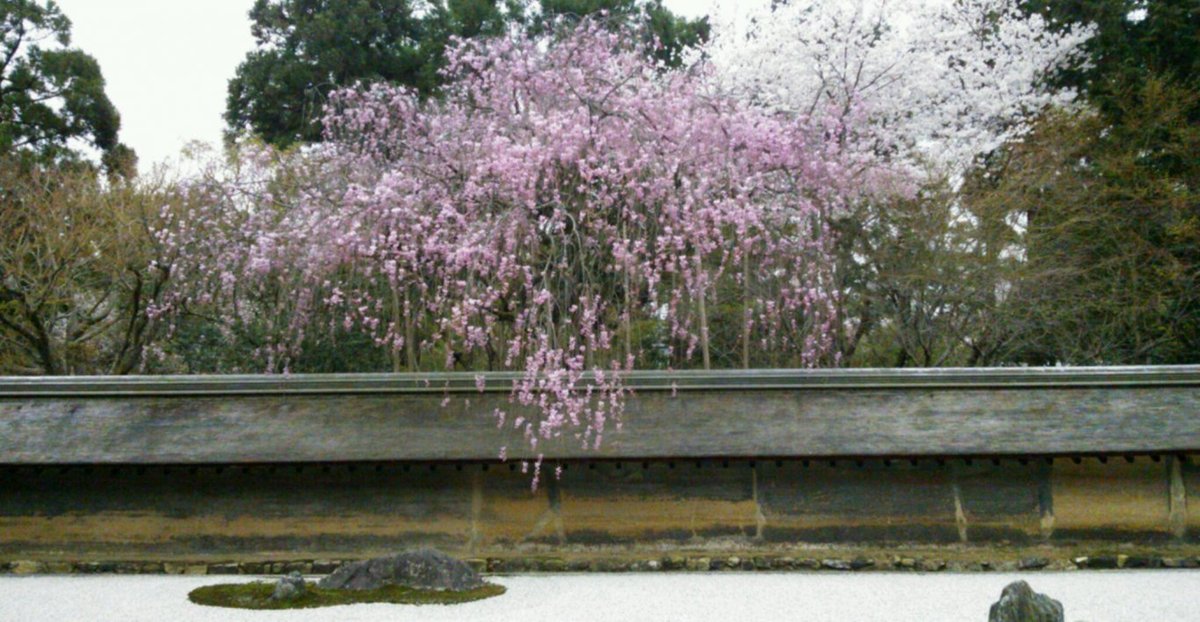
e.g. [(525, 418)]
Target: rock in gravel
[(425, 569), (290, 587), (1019, 603)]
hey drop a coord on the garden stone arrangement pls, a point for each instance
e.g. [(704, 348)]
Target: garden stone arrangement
[(423, 576), (424, 569), (290, 587), (1019, 603)]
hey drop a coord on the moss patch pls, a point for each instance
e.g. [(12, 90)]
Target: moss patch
[(257, 595)]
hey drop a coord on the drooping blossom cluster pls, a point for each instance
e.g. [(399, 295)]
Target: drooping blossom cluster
[(557, 195), (943, 81), (237, 224)]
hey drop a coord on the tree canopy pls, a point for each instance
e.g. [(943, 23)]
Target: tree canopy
[(308, 48), (1135, 41), (566, 209), (52, 98), (940, 82)]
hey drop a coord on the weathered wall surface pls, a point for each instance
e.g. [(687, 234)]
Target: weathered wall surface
[(272, 512), (734, 414), (785, 464)]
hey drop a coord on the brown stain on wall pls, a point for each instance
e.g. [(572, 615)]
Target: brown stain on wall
[(150, 529), (1190, 476), (642, 519), (1117, 495), (659, 506)]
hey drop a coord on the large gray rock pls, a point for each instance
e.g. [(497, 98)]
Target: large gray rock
[(290, 587), (1019, 603), (424, 569)]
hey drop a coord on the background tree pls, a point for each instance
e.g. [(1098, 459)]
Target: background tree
[(1135, 41), (939, 85), (1107, 194), (1111, 273), (666, 36), (919, 276), (220, 324), (560, 193), (939, 82), (308, 48), (80, 272), (52, 99)]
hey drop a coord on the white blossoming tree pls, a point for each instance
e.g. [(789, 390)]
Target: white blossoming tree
[(931, 86), (941, 81)]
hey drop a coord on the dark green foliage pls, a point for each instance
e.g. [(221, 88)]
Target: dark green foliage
[(198, 347), (1112, 198), (665, 35), (1125, 51), (257, 596), (1112, 212), (307, 48), (52, 95), (674, 34)]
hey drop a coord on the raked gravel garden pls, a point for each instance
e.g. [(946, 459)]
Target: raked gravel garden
[(1086, 596)]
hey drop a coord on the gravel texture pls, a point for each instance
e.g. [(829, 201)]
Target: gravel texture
[(1087, 596)]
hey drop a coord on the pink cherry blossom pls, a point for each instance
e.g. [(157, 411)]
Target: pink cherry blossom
[(557, 195)]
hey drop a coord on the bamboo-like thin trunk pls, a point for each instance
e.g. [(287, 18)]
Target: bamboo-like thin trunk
[(627, 322), (410, 333), (703, 322), (395, 354), (746, 314)]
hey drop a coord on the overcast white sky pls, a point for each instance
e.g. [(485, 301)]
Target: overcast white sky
[(167, 63)]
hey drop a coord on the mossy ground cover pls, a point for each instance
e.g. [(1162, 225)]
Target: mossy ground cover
[(257, 595)]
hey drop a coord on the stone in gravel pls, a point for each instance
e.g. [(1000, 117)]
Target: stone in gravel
[(303, 567), (223, 569), (512, 565), (859, 563), (553, 565), (1033, 563), (606, 565), (27, 567), (324, 566), (835, 564), (424, 569), (1104, 562), (96, 567), (258, 568), (932, 565), (1019, 603), (290, 587)]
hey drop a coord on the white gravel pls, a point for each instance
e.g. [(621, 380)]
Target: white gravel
[(1091, 596)]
